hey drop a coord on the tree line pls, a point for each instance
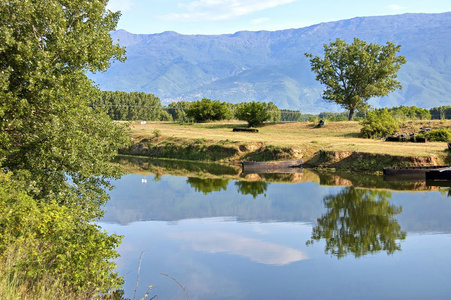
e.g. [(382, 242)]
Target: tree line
[(147, 107)]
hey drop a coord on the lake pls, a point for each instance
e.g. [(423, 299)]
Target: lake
[(304, 235)]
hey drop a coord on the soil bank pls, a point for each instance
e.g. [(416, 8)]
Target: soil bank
[(234, 152)]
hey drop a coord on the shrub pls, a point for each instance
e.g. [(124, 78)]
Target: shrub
[(438, 135), (157, 132), (378, 124), (44, 243)]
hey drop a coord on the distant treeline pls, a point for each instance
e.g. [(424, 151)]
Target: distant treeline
[(147, 107), (131, 106)]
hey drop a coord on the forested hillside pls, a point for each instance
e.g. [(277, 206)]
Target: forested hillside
[(271, 66)]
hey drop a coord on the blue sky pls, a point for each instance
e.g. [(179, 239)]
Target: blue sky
[(230, 16)]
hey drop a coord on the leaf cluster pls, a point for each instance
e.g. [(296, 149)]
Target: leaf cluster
[(208, 110), (48, 134), (55, 148), (437, 135), (378, 124), (410, 113), (354, 73), (359, 222), (254, 113), (42, 243), (441, 112), (130, 106)]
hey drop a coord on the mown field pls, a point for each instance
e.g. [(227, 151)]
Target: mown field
[(335, 136)]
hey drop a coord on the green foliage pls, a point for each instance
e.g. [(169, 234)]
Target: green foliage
[(253, 188), (178, 111), (157, 132), (410, 113), (438, 135), (333, 115), (165, 116), (441, 112), (291, 115), (208, 185), (378, 124), (130, 106), (354, 73), (208, 110), (46, 128), (254, 113), (58, 148), (42, 242), (359, 222), (336, 119), (273, 111)]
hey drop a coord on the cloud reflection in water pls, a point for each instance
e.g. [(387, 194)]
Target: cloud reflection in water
[(253, 249)]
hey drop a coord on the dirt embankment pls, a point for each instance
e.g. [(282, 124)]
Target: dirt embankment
[(234, 152)]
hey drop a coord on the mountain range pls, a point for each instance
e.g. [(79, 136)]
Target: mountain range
[(271, 65)]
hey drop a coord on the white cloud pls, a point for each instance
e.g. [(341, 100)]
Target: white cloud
[(222, 9), (396, 7), (259, 20), (122, 5)]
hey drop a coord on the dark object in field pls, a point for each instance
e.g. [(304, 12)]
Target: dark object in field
[(245, 129), (321, 124), (405, 138)]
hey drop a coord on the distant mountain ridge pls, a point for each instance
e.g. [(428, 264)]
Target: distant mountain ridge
[(271, 66)]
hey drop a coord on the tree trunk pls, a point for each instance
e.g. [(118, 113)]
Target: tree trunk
[(351, 113)]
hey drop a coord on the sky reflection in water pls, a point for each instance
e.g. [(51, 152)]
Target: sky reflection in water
[(301, 240)]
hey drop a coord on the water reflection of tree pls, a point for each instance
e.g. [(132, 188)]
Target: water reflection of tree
[(253, 188), (207, 185), (359, 222)]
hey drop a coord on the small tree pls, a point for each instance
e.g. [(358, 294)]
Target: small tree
[(208, 110), (254, 113), (357, 72), (378, 124)]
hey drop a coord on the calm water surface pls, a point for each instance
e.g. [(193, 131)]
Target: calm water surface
[(296, 236)]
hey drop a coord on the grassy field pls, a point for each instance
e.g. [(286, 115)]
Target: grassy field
[(335, 136)]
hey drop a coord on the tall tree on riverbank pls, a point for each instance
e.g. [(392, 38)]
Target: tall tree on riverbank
[(47, 131), (55, 149), (354, 73)]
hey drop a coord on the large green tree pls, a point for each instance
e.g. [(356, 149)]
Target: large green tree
[(354, 73), (254, 113), (208, 110), (55, 149), (48, 134)]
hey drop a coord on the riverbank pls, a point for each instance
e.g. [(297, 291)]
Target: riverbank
[(336, 146)]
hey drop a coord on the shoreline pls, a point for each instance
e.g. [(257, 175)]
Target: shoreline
[(234, 153)]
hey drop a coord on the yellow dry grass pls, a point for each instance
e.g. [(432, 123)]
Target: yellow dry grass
[(335, 136)]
